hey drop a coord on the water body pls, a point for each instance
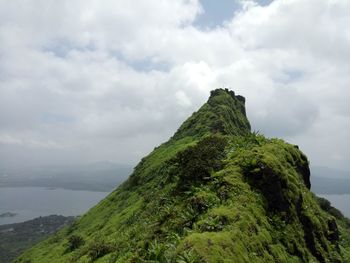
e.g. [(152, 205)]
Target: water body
[(342, 202), (31, 202)]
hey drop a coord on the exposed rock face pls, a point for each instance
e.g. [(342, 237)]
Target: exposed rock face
[(333, 234), (304, 170), (215, 192)]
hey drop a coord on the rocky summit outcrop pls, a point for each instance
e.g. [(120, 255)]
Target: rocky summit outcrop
[(215, 192)]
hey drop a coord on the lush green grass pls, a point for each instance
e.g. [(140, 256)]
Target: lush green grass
[(212, 193)]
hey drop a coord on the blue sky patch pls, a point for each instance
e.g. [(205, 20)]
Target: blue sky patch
[(216, 12)]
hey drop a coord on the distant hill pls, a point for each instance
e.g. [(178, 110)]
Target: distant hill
[(215, 192), (101, 176), (15, 238)]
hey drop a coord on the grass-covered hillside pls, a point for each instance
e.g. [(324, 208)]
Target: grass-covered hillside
[(215, 192)]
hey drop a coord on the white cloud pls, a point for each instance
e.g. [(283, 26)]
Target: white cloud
[(69, 74), (27, 141), (183, 99)]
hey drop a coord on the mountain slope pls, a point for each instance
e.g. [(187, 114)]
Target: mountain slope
[(215, 192)]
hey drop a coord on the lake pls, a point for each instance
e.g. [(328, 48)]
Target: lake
[(31, 202), (342, 202)]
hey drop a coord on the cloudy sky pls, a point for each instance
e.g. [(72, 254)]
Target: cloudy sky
[(89, 80)]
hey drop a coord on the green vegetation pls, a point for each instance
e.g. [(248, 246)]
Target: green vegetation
[(74, 242), (215, 192)]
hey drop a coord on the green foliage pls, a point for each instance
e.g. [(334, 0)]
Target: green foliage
[(188, 257), (98, 248), (156, 252), (196, 164), (202, 200), (74, 242)]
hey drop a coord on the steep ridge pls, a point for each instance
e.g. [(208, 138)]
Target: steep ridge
[(215, 192)]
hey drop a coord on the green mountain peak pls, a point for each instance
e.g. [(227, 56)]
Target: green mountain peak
[(223, 113), (215, 192)]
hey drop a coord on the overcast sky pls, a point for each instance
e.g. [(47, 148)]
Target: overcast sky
[(89, 80)]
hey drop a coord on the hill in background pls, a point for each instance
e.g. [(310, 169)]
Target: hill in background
[(15, 238)]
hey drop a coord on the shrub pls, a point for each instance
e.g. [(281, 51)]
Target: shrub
[(99, 248), (156, 252), (196, 163), (203, 200), (188, 257), (74, 242)]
